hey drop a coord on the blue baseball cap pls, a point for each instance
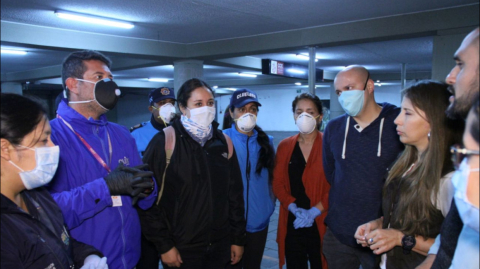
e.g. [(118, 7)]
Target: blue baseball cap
[(159, 94), (242, 97)]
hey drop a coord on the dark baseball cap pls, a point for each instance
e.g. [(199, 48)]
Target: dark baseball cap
[(160, 94), (242, 97)]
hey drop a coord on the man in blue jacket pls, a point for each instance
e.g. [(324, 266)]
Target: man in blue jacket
[(162, 106), (358, 147), (96, 183)]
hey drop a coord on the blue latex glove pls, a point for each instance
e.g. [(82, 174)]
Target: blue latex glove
[(312, 213), (292, 208), (302, 218)]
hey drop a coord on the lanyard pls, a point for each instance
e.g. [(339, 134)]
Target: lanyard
[(92, 151)]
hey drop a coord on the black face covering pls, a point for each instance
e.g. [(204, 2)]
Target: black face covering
[(106, 93)]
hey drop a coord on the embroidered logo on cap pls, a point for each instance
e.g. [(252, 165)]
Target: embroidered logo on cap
[(165, 91)]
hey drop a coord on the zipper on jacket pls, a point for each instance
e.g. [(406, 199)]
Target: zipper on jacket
[(248, 168), (51, 250), (107, 160), (123, 239)]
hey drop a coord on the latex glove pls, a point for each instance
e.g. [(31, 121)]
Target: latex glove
[(312, 213), (129, 181), (95, 262), (143, 187), (301, 218)]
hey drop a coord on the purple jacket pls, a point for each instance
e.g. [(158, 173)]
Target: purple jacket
[(82, 194)]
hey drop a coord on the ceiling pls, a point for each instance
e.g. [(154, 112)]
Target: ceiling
[(230, 37)]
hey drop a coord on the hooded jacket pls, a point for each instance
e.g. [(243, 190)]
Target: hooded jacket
[(256, 188), (355, 164), (81, 192), (202, 201), (31, 241)]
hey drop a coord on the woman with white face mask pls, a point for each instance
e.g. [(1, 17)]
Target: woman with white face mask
[(32, 227), (199, 220), (466, 182), (418, 192), (255, 153), (299, 183)]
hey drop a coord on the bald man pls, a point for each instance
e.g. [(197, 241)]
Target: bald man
[(355, 166)]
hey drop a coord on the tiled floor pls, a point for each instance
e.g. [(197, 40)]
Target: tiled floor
[(270, 255)]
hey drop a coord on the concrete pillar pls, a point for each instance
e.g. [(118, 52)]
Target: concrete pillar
[(185, 70), (311, 70), (444, 47), (12, 87), (335, 107)]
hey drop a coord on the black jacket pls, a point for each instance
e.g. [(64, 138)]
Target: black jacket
[(38, 240), (202, 200)]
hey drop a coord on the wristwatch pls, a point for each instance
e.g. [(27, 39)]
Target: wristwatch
[(408, 242)]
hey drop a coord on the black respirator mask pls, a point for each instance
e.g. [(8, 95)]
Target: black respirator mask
[(105, 93)]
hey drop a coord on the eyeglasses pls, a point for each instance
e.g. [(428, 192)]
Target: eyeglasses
[(458, 153)]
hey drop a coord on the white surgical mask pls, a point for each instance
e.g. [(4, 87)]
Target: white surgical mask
[(246, 122), (306, 123), (467, 211), (167, 112), (46, 165), (203, 116)]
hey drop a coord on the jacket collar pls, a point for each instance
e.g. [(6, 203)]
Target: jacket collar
[(74, 118), (242, 136)]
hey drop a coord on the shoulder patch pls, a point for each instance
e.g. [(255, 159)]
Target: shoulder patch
[(133, 128)]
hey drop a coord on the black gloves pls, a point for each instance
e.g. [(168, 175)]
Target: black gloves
[(131, 181)]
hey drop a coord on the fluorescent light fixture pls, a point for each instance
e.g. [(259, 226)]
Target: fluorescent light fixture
[(231, 89), (378, 81), (296, 71), (215, 87), (304, 57), (378, 84), (247, 75), (93, 19), (298, 83), (13, 51), (158, 79)]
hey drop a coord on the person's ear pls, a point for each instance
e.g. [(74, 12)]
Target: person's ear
[(370, 86), (5, 149), (150, 108), (182, 109), (71, 84)]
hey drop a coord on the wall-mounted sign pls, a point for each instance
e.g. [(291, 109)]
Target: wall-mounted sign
[(278, 68)]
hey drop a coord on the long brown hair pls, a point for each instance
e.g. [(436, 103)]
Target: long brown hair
[(415, 212)]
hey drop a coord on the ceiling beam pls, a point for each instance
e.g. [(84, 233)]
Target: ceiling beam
[(371, 30), (379, 29), (48, 37)]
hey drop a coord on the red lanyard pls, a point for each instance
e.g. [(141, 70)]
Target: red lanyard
[(99, 159)]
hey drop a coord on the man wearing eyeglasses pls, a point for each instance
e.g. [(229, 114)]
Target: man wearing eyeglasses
[(464, 85)]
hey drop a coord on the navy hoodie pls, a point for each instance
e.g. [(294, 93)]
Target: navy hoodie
[(355, 166)]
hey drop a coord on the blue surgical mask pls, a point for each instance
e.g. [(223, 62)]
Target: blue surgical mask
[(467, 211), (352, 100)]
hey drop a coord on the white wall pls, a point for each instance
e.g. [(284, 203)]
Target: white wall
[(275, 113)]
